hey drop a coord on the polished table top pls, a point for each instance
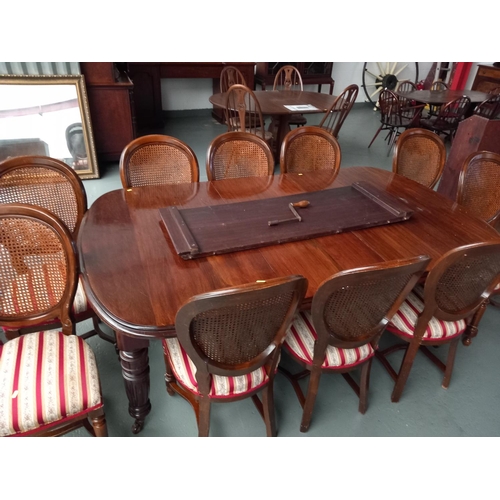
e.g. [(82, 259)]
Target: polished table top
[(136, 281), (273, 102), (438, 97)]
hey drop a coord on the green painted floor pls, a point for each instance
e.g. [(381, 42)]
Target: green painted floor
[(470, 407)]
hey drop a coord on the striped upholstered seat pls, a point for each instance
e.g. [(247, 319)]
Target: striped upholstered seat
[(300, 339), (405, 320), (45, 378), (222, 387)]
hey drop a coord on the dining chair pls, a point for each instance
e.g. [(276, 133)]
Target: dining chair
[(447, 120), (51, 184), (434, 108), (288, 77), (406, 86), (238, 154), (340, 334), (49, 383), (229, 76), (393, 118), (310, 148), (490, 108), (494, 91), (153, 160), (437, 312), (228, 346), (242, 107), (419, 155), (334, 118)]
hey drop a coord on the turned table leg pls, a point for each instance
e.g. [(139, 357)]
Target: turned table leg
[(135, 371)]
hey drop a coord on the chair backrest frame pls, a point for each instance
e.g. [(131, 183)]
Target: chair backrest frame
[(288, 77), (289, 159), (27, 179), (135, 175), (229, 76), (336, 115), (262, 159), (451, 113)]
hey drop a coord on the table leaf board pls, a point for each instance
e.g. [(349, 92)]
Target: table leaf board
[(217, 229)]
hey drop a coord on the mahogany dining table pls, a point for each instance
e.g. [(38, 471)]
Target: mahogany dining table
[(136, 281), (273, 103)]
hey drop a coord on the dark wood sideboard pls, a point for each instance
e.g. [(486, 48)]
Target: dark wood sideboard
[(110, 96), (487, 78), (312, 73), (147, 84)]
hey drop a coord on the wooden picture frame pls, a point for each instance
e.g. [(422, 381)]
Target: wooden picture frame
[(49, 116)]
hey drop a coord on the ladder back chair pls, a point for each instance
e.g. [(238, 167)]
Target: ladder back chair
[(51, 184), (228, 346), (393, 117), (238, 154), (242, 107), (49, 382), (479, 192), (306, 149), (449, 116), (340, 334), (336, 115), (153, 160), (289, 78), (437, 312), (419, 155)]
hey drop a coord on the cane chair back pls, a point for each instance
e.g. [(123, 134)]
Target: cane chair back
[(349, 313), (232, 338), (238, 154), (479, 186), (229, 76), (455, 288), (336, 115), (242, 107), (51, 184), (419, 155), (490, 108), (47, 183), (448, 118), (154, 160), (38, 275), (307, 149)]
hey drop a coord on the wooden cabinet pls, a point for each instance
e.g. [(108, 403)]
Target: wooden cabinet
[(110, 96), (487, 78), (312, 73)]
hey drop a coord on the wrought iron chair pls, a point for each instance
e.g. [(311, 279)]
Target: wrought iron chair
[(228, 346), (336, 115), (49, 382), (238, 154), (288, 78), (306, 149), (393, 117), (153, 160), (448, 118), (53, 185), (349, 313), (437, 312), (420, 155)]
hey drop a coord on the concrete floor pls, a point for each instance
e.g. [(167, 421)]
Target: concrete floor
[(470, 407)]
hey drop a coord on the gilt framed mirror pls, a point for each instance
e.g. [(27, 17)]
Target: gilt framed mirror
[(49, 116)]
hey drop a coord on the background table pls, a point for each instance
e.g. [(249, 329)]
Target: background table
[(136, 282), (272, 103), (440, 97)]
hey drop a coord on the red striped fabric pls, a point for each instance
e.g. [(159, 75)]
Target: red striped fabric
[(45, 377), (300, 341), (221, 387), (405, 320)]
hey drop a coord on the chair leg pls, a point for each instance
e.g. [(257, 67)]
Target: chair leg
[(203, 417), (99, 425), (404, 371), (169, 376), (363, 386), (449, 363), (472, 327), (312, 391), (375, 136), (268, 410)]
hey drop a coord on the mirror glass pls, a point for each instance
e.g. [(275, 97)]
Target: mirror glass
[(47, 115)]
